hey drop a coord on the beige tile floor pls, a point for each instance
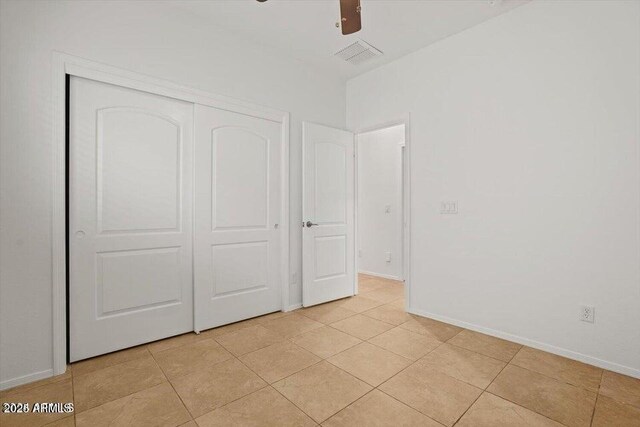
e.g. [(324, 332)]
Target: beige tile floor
[(361, 361)]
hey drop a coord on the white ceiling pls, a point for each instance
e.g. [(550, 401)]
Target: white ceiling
[(305, 29)]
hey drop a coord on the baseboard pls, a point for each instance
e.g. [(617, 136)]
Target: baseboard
[(384, 276), (611, 366), (293, 307), (29, 378)]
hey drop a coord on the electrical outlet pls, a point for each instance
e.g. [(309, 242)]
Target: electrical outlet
[(587, 313), (388, 256)]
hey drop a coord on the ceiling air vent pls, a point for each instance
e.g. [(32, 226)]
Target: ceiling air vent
[(358, 52)]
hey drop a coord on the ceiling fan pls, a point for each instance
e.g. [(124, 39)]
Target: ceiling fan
[(350, 16)]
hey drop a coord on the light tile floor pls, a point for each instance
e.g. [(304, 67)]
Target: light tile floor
[(361, 361)]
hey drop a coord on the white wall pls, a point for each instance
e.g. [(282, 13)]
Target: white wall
[(150, 38), (379, 186), (531, 122)]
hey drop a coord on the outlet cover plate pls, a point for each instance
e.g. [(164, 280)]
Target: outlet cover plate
[(587, 313)]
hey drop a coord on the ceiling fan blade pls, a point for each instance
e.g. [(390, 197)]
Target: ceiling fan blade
[(350, 16)]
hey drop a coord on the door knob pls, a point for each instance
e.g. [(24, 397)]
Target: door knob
[(310, 224)]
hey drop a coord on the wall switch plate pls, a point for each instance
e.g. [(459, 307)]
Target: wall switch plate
[(587, 313), (448, 208), (388, 256), (387, 209), (359, 253)]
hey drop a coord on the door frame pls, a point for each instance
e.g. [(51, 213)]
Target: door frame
[(64, 64), (405, 120)]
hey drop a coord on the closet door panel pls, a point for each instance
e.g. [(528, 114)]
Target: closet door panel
[(130, 218), (237, 234)]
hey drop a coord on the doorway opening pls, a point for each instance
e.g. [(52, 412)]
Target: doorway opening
[(334, 245), (382, 207)]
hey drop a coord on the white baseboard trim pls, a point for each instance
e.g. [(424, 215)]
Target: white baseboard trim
[(29, 378), (384, 276), (293, 307), (615, 367)]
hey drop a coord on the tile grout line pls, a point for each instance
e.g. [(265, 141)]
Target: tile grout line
[(408, 366), (561, 381), (548, 377), (447, 375), (213, 338), (349, 348), (126, 395), (483, 390), (73, 395), (266, 381), (350, 404), (522, 406), (633, 405), (118, 363), (73, 414), (408, 406), (172, 387), (593, 413), (327, 324), (249, 352), (271, 385), (294, 404), (444, 373), (398, 373), (401, 355), (129, 394), (267, 384), (476, 352), (516, 353), (233, 356), (508, 400), (481, 393), (367, 339), (231, 401), (321, 359)]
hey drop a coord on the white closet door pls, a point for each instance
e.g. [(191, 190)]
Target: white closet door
[(237, 215), (328, 211), (130, 226)]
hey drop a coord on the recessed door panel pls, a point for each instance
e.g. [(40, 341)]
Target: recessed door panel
[(130, 228), (240, 166), (331, 256), (237, 233), (240, 267), (138, 171), (137, 280), (328, 210), (330, 202)]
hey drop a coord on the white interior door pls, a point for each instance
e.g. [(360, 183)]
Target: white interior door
[(328, 213), (130, 227), (237, 215)]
